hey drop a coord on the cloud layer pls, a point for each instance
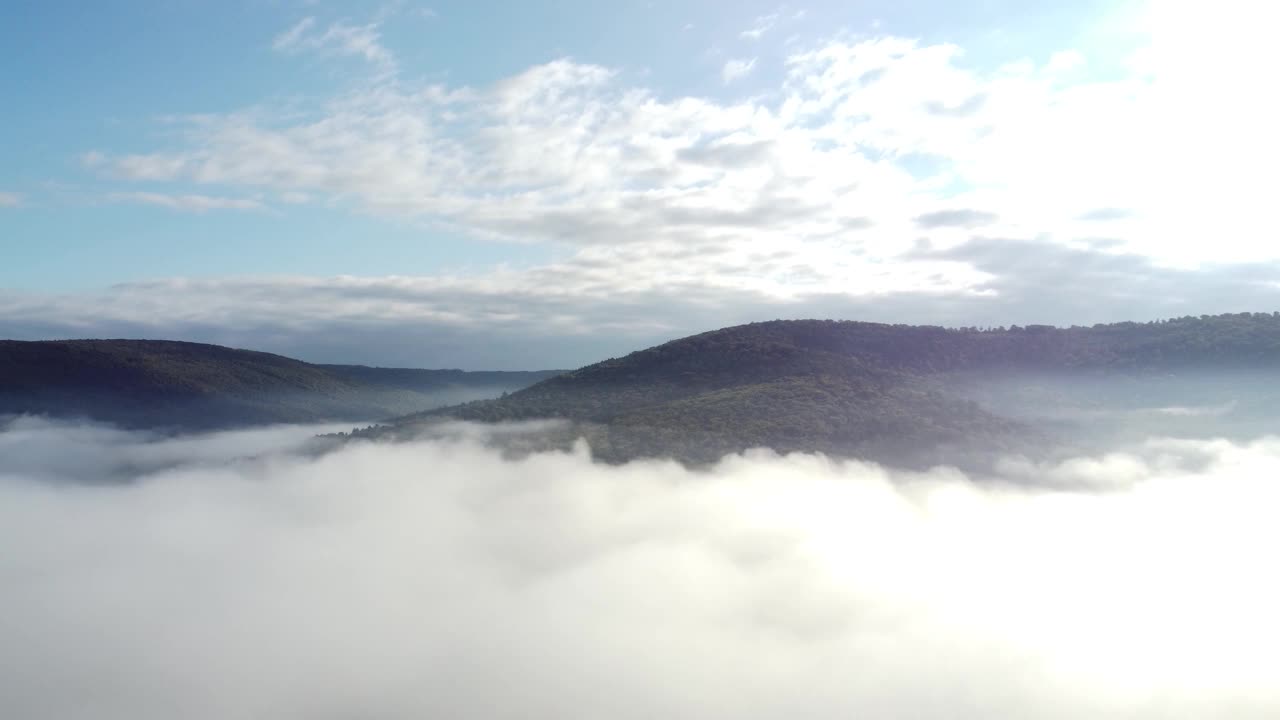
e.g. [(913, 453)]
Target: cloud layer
[(606, 302), (876, 127), (867, 176), (882, 128), (438, 579)]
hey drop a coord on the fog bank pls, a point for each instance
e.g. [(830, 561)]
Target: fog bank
[(235, 576)]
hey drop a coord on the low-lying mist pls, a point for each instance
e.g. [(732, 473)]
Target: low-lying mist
[(1097, 410), (244, 574)]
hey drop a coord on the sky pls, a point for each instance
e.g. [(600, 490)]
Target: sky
[(543, 185)]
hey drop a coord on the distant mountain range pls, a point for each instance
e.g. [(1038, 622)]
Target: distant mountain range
[(160, 384), (901, 393)]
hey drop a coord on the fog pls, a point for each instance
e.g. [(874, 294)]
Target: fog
[(1089, 412), (245, 575)]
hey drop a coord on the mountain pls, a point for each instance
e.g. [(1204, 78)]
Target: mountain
[(901, 393), (182, 385)]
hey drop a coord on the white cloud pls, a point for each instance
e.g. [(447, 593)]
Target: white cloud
[(565, 152), (292, 39), (10, 200), (806, 198), (737, 69), (1211, 124), (606, 300), (439, 579), (762, 25), (188, 203), (1065, 61), (340, 38)]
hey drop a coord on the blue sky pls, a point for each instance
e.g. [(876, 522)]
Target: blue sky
[(110, 74), (533, 184)]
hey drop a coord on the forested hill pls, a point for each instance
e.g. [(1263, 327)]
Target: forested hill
[(1245, 339), (845, 387), (182, 385)]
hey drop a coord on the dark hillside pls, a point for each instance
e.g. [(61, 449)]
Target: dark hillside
[(1240, 340), (167, 384), (855, 388)]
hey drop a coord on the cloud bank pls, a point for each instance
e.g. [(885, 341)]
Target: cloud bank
[(847, 125), (857, 175), (606, 302), (437, 579)]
